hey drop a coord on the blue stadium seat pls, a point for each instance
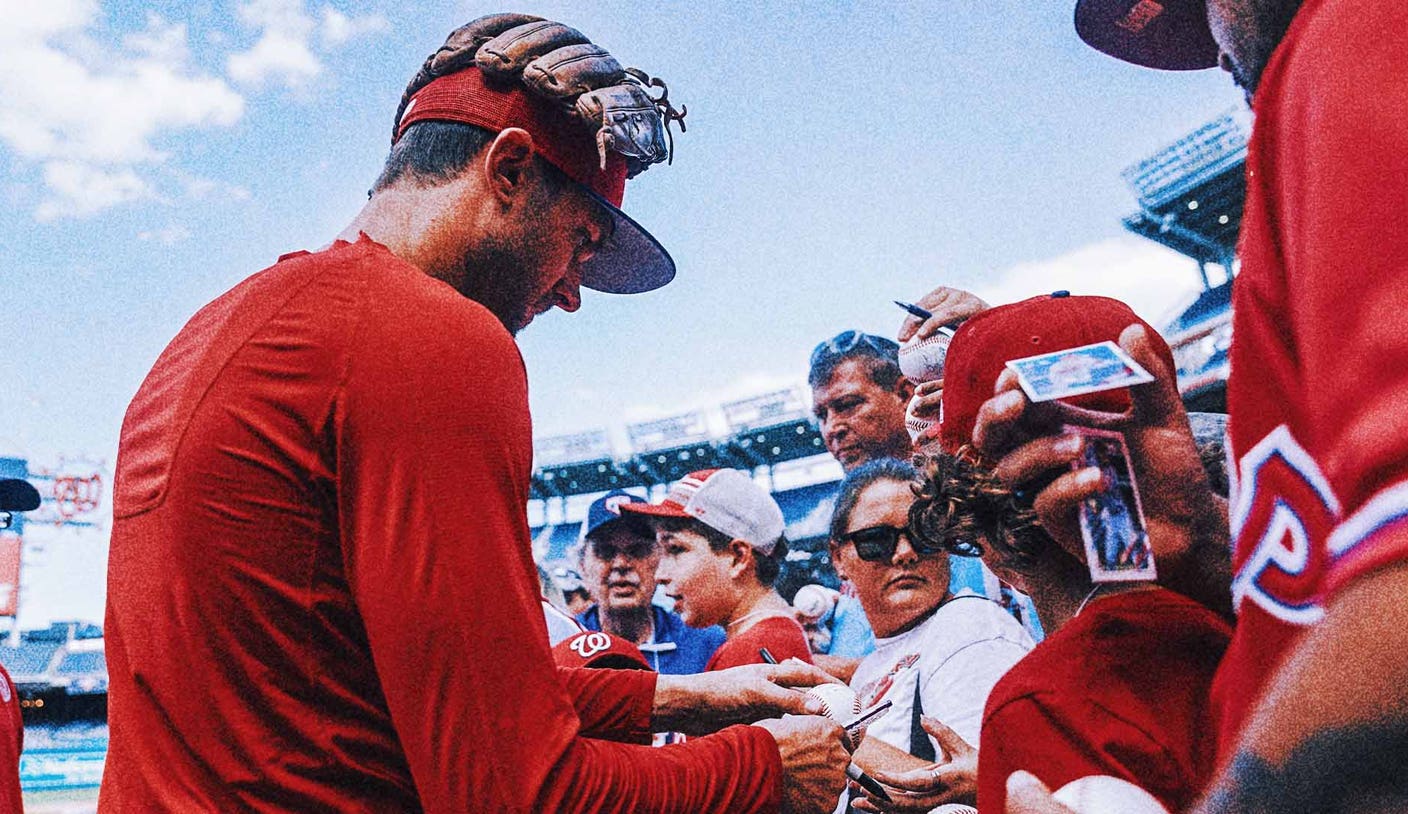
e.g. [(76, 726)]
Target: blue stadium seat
[(562, 539), (83, 663), (29, 660)]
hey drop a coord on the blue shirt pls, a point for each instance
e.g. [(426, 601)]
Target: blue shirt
[(851, 636), (675, 648)]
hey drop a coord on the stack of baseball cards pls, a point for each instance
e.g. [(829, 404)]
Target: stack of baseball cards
[(1112, 524)]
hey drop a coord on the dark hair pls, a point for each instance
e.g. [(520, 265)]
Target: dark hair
[(878, 356), (432, 152), (856, 482), (765, 566), (960, 500)]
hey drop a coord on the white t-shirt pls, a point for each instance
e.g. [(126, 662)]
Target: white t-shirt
[(957, 655)]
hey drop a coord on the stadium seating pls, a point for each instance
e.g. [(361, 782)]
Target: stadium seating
[(30, 662)]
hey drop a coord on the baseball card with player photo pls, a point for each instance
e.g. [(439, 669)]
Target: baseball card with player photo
[(1073, 372), (1117, 547)]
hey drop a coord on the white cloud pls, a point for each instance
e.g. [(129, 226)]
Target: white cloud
[(88, 112), (1154, 281), (283, 54), (278, 58), (337, 28), (76, 189)]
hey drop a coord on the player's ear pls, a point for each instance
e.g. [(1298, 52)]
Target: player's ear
[(741, 555), (508, 163)]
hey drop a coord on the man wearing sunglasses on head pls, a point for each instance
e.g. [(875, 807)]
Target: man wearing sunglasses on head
[(937, 655), (858, 397)]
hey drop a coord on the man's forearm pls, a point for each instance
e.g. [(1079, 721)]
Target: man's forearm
[(679, 706), (1332, 731)]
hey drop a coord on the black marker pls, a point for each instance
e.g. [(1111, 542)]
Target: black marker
[(767, 657), (867, 782), (913, 309)]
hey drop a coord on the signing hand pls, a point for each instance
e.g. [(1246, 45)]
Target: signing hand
[(948, 305), (813, 761), (706, 702), (954, 779)]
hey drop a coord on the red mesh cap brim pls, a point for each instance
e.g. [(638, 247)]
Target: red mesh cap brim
[(630, 260), (1170, 35), (981, 348), (667, 508)]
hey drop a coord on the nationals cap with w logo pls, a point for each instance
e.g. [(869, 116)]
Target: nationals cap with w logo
[(725, 500)]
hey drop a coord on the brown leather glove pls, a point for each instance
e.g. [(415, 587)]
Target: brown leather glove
[(560, 64)]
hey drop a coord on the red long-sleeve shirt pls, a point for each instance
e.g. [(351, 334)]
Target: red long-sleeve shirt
[(321, 596)]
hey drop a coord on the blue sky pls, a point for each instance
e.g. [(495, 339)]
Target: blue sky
[(838, 156)]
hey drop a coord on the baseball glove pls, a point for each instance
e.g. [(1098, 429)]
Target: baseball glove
[(560, 64)]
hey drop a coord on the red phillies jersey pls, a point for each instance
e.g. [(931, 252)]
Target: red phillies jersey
[(1120, 690), (320, 592), (782, 636), (1319, 389)]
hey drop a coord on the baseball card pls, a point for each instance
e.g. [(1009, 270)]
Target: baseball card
[(1112, 524), (1072, 372)]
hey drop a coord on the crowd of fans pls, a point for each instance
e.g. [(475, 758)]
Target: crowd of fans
[(1122, 691)]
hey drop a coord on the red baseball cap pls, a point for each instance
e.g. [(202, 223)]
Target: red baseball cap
[(981, 348), (630, 260), (593, 648), (1171, 35), (726, 500)]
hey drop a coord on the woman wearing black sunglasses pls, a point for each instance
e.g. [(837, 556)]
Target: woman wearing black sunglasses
[(935, 655)]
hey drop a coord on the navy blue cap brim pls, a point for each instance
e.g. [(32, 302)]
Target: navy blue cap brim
[(1170, 35), (630, 261)]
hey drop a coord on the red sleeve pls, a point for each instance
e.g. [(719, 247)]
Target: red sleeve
[(611, 704), (433, 456), (1058, 744), (783, 638), (1341, 154), (11, 798)]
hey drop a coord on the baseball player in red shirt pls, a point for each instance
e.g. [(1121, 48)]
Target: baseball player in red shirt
[(1313, 694), (321, 595)]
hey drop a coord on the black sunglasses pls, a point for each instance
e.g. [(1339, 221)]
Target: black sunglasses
[(878, 543), (847, 342)]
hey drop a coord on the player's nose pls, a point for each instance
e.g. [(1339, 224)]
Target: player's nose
[(568, 296)]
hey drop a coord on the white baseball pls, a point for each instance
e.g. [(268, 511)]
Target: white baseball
[(922, 360), (1102, 794), (814, 601), (915, 424), (837, 702)]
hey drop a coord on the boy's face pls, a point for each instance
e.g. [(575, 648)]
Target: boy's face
[(698, 579)]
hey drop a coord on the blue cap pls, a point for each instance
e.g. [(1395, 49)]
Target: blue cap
[(605, 510)]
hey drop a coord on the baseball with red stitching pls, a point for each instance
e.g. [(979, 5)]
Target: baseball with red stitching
[(922, 360), (838, 702)]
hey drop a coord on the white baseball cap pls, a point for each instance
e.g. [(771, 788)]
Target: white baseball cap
[(725, 500)]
